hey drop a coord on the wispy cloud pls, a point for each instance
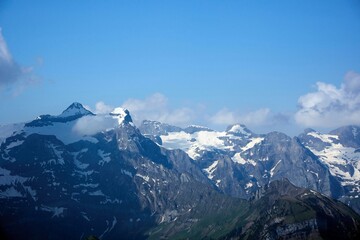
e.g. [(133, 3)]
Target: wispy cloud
[(260, 117), (100, 108), (331, 106), (13, 77), (156, 107)]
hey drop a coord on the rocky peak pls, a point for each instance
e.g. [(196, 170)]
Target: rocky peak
[(157, 128), (75, 109)]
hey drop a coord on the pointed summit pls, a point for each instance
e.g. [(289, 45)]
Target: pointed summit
[(122, 115), (75, 109)]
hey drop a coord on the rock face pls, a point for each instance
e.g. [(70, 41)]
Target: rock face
[(282, 212), (79, 174), (239, 161), (288, 212)]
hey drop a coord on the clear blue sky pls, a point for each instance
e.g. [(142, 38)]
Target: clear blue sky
[(238, 55)]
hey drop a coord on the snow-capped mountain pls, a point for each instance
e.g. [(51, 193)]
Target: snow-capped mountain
[(111, 183), (79, 174), (340, 152), (239, 161)]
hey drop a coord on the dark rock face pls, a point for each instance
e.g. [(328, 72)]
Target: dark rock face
[(157, 128), (283, 211), (349, 136)]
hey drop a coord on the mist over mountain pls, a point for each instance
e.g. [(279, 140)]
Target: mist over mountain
[(81, 174)]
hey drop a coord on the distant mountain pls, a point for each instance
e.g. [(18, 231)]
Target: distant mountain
[(79, 174), (239, 161), (339, 152)]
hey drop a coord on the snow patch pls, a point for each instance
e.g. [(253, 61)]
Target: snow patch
[(210, 170), (249, 185), (87, 185), (105, 157), (339, 159), (85, 216), (109, 227), (218, 181), (126, 173), (323, 137), (252, 143), (238, 159), (58, 154), (56, 211), (194, 143), (146, 178), (97, 193), (14, 144), (237, 128), (7, 179), (273, 169), (10, 192)]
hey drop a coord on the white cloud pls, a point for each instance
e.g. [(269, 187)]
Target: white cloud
[(330, 106), (89, 125), (156, 107), (13, 77), (102, 108), (261, 116)]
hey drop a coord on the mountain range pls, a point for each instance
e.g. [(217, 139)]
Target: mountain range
[(79, 174)]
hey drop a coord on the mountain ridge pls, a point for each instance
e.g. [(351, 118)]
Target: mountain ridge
[(117, 181)]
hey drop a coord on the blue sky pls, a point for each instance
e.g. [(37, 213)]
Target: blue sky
[(203, 62)]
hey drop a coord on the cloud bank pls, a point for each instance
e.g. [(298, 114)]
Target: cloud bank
[(330, 106), (327, 107), (89, 125), (13, 77)]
